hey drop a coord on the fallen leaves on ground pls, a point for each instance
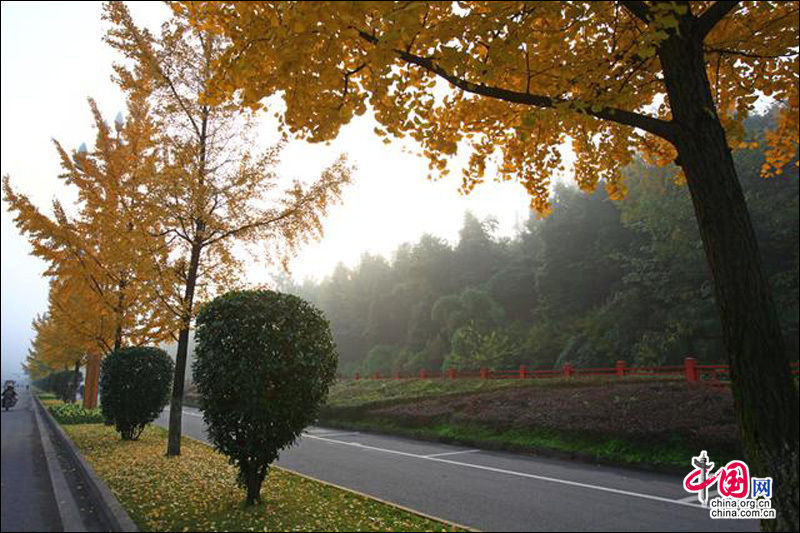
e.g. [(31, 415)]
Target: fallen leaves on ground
[(197, 491)]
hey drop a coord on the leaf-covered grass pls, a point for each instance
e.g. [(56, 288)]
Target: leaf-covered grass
[(197, 491), (73, 413)]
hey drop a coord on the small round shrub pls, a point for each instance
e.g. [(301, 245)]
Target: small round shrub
[(134, 388), (263, 364)]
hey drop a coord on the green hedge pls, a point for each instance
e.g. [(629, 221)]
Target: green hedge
[(72, 413)]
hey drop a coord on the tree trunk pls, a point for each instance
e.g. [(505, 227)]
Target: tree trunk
[(765, 398), (119, 314), (91, 381), (176, 403), (75, 382), (254, 482), (253, 474)]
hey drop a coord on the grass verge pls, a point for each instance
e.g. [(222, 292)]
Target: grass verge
[(197, 491), (667, 455), (639, 421)]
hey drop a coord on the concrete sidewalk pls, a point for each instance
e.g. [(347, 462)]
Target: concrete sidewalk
[(44, 487), (27, 493)]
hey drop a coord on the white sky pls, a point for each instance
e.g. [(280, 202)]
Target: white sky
[(53, 58)]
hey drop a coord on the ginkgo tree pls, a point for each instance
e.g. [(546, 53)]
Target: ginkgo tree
[(55, 347), (102, 259), (71, 333), (213, 193), (671, 80)]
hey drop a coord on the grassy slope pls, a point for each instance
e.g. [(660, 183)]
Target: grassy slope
[(362, 392), (385, 406), (359, 393)]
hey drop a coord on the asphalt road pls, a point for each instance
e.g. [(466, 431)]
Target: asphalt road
[(27, 493), (493, 491)]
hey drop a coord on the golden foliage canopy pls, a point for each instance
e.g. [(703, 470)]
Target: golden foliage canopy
[(532, 76), (101, 260), (213, 191)]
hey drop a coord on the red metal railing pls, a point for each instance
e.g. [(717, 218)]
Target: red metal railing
[(715, 375)]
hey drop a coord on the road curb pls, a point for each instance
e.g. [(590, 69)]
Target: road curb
[(108, 506), (449, 523), (67, 506)]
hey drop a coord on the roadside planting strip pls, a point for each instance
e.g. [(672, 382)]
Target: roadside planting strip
[(437, 458)]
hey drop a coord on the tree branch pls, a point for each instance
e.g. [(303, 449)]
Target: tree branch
[(711, 16), (658, 127), (149, 57), (295, 208), (347, 81), (638, 9), (253, 225), (725, 51)]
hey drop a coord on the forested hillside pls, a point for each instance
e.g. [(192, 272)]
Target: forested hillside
[(594, 282)]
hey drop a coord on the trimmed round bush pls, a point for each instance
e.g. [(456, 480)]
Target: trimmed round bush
[(263, 364), (134, 388)]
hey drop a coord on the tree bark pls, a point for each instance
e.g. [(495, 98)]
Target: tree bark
[(176, 403), (119, 315), (253, 483), (765, 398), (91, 381), (75, 382)]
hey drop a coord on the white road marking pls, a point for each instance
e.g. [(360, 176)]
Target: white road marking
[(513, 473), (693, 497), (448, 453), (307, 434), (190, 413)]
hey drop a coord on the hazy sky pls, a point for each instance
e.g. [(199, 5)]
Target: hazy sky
[(53, 58)]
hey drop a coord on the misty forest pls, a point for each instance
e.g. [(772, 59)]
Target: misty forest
[(595, 282)]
